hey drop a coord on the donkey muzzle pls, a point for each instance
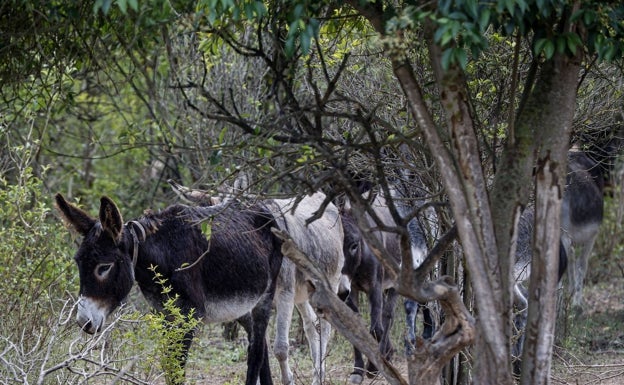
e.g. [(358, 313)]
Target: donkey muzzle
[(91, 315)]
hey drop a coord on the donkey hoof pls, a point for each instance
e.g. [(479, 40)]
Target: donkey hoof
[(355, 378), (371, 370)]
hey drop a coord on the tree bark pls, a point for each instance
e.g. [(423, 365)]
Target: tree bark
[(492, 290), (464, 183), (552, 107), (543, 124)]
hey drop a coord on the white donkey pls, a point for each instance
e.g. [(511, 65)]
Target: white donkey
[(322, 241)]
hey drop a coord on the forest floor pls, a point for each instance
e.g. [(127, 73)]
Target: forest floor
[(592, 352)]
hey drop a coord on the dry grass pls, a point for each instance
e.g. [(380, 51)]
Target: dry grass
[(594, 350), (593, 353)]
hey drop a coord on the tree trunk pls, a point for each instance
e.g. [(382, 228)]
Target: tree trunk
[(552, 109), (488, 250), (464, 182)]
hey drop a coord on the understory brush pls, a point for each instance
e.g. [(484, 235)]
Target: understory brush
[(39, 340)]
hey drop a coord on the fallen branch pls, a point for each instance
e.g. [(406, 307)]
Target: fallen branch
[(336, 312)]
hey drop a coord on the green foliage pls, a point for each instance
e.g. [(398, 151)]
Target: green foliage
[(220, 10), (36, 268), (302, 26), (463, 25), (31, 43), (173, 325), (36, 265), (104, 5)]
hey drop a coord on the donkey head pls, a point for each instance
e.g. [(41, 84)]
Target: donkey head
[(353, 247), (104, 261)]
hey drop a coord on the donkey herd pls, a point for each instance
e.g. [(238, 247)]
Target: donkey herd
[(239, 273)]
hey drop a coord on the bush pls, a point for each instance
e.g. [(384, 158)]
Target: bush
[(39, 341)]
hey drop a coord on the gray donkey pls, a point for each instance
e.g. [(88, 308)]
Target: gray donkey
[(581, 216)]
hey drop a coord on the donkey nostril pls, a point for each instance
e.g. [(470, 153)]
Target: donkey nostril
[(87, 327)]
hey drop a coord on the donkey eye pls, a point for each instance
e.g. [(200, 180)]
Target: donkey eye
[(353, 249), (102, 270)]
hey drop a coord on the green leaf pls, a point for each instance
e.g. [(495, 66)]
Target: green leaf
[(510, 5), (573, 41), (561, 44), (472, 6), (589, 17), (123, 6), (577, 15), (306, 39), (206, 228), (461, 57), (549, 49), (103, 5), (437, 36), (522, 5), (609, 53), (539, 46), (227, 4), (261, 9), (447, 56), (458, 16), (222, 135), (484, 19), (134, 4), (215, 157)]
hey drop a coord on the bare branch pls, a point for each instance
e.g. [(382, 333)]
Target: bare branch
[(330, 307)]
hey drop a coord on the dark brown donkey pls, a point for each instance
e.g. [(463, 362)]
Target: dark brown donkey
[(230, 276)]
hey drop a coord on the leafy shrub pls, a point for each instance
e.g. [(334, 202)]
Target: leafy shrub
[(36, 267), (171, 326), (35, 270)]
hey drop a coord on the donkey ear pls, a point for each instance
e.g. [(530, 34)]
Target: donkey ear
[(111, 219), (77, 218)]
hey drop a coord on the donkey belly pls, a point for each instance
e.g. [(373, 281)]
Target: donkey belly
[(581, 234), (229, 309)]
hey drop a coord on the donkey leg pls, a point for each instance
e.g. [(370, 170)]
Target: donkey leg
[(317, 341), (388, 321), (284, 304), (255, 376), (357, 375), (580, 270), (247, 323), (258, 354), (376, 303), (325, 336), (411, 309), (428, 322), (378, 323)]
